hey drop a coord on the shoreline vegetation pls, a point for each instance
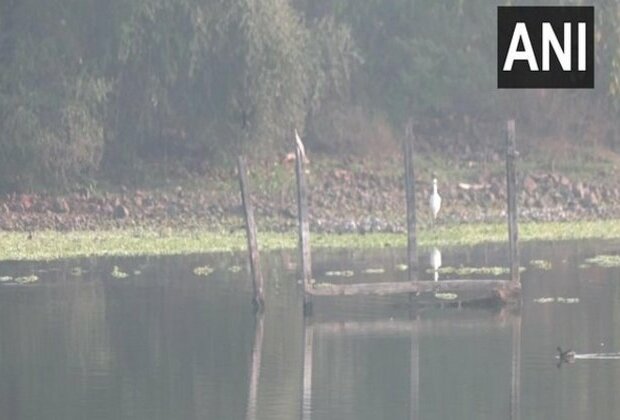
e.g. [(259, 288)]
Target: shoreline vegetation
[(55, 245)]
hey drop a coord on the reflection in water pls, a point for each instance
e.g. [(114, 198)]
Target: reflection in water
[(167, 344), (255, 366), (413, 328), (435, 262)]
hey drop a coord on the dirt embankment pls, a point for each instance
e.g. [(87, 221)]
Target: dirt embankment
[(343, 198)]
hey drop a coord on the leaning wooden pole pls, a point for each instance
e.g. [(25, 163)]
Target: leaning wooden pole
[(511, 181), (250, 226), (302, 214), (412, 244)]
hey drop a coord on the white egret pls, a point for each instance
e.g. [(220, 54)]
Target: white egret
[(435, 261), (435, 201)]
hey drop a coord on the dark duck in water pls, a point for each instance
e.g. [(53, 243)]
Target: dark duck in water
[(566, 356)]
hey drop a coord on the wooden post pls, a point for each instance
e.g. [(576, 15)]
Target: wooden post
[(306, 399), (304, 225), (255, 365), (511, 181), (250, 226), (412, 245)]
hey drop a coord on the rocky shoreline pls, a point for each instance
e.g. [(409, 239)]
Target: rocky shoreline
[(340, 201)]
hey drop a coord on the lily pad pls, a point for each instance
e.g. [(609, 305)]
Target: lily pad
[(607, 261), (401, 267), (118, 274), (374, 271), (343, 273), (556, 300), (541, 264), (5, 279), (203, 271), (446, 296), (26, 279), (77, 271), (234, 268)]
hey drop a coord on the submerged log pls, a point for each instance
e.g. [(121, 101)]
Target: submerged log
[(503, 291)]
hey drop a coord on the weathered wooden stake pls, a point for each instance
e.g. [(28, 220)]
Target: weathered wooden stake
[(412, 245), (511, 181), (304, 225), (250, 226), (255, 365)]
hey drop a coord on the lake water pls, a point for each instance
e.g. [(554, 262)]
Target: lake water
[(165, 343)]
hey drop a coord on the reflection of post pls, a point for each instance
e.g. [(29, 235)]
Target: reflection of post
[(412, 252), (306, 400), (257, 351), (302, 210), (515, 387), (415, 374), (250, 225), (511, 185)]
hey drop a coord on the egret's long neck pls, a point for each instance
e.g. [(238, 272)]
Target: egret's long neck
[(435, 187)]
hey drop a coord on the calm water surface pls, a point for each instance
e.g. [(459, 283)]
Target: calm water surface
[(164, 343)]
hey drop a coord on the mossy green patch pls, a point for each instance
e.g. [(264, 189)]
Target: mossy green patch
[(52, 245)]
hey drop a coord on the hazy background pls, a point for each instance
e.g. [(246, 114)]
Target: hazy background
[(92, 89)]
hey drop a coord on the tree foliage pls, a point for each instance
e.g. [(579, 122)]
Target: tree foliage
[(89, 86)]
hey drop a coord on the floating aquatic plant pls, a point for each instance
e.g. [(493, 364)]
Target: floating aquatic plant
[(118, 274), (401, 267), (556, 300), (374, 271), (541, 264), (203, 271), (76, 271), (607, 261), (446, 296), (343, 273), (4, 279), (26, 279), (234, 268), (52, 245)]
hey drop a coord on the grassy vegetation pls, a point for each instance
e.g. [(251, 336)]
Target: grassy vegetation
[(51, 245)]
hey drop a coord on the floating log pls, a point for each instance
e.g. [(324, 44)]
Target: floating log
[(250, 226), (511, 184), (502, 290)]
